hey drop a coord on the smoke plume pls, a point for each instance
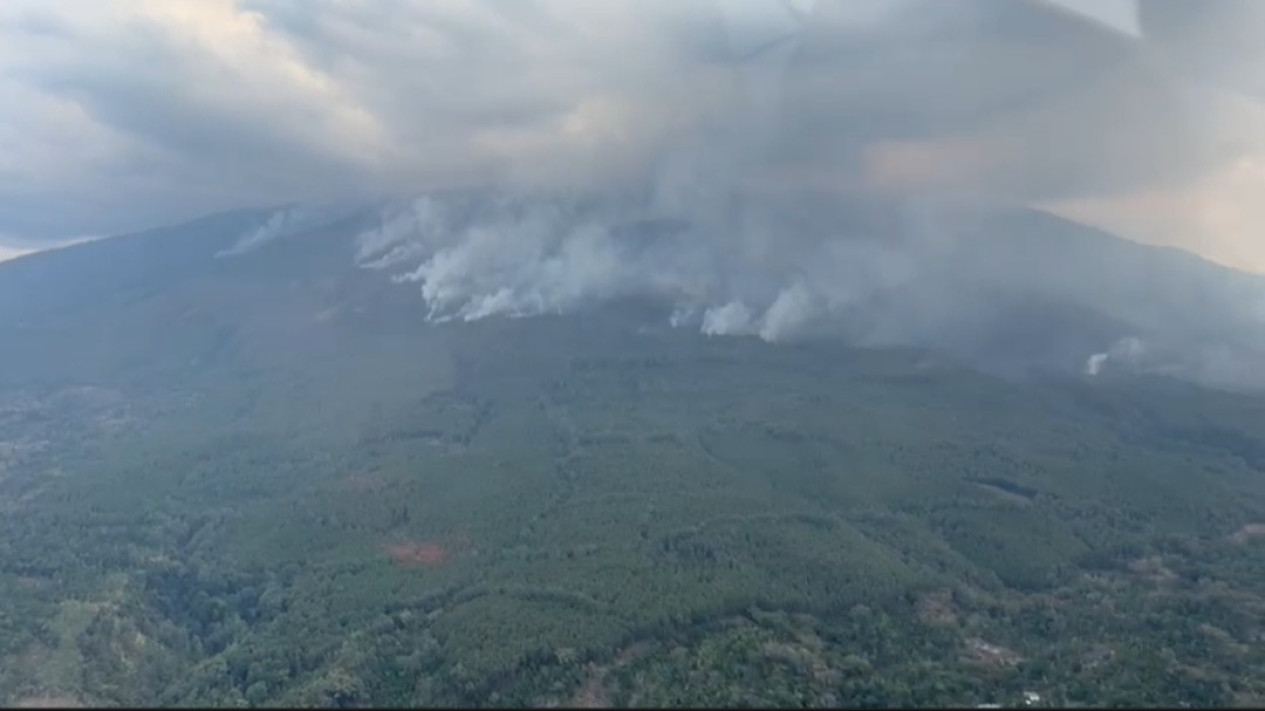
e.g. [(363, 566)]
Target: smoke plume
[(780, 170)]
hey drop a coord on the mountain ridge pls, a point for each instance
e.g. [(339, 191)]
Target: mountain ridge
[(1010, 291)]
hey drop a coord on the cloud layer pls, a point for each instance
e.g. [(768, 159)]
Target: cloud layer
[(126, 114)]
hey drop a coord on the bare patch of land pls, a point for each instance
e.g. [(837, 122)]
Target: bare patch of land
[(1248, 532)]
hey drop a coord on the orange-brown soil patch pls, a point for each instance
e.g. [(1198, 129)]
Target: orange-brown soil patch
[(426, 554)]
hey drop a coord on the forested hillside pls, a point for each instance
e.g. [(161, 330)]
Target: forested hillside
[(270, 482)]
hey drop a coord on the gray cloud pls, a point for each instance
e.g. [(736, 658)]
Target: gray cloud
[(129, 113)]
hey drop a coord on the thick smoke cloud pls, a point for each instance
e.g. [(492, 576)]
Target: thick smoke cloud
[(1015, 290), (714, 154), (127, 114), (749, 271)]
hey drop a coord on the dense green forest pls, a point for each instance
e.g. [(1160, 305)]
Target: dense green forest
[(571, 511)]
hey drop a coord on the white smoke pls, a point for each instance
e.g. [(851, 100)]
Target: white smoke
[(793, 308), (476, 257), (284, 223), (777, 273), (1129, 351), (732, 319), (1095, 364), (268, 231), (737, 269)]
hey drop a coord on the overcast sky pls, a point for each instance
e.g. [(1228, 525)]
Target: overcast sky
[(126, 114)]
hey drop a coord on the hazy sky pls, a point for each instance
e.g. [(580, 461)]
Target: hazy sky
[(124, 114)]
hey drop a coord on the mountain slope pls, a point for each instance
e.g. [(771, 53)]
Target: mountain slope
[(267, 478), (1009, 291)]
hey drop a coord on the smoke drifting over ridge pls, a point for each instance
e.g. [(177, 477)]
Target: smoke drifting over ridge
[(763, 167), (285, 223), (772, 224), (765, 216), (1009, 289), (759, 269), (489, 255)]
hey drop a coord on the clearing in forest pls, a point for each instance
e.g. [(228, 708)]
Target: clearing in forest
[(427, 554), (1248, 532)]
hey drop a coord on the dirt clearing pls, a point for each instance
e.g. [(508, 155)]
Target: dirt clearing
[(425, 554)]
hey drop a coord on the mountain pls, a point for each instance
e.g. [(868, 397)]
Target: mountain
[(453, 450), (1008, 291)]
